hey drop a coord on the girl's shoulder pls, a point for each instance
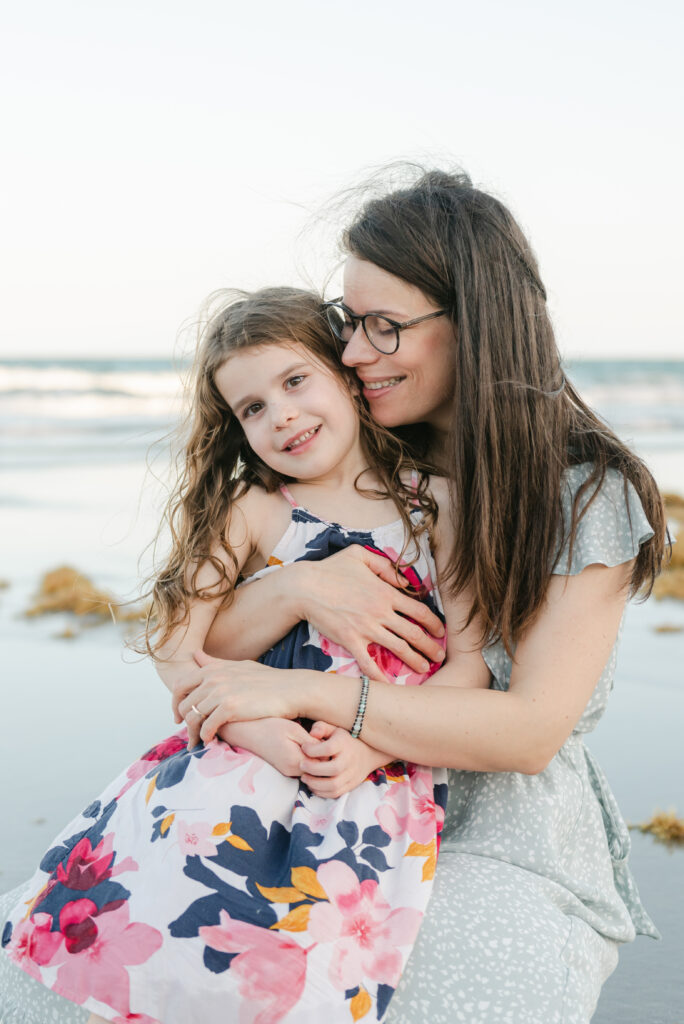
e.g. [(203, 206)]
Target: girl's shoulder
[(259, 516)]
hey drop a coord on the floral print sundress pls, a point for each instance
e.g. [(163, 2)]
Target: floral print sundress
[(205, 885)]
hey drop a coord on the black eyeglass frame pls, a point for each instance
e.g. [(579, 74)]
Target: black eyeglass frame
[(357, 319)]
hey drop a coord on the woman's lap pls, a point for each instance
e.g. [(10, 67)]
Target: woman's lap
[(23, 1000), (494, 949)]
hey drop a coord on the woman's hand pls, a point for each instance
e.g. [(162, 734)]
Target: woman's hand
[(356, 598), (233, 691), (334, 763)]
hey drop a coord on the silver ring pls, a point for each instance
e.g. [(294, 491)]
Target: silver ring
[(197, 711)]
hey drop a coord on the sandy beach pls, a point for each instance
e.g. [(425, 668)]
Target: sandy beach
[(75, 711)]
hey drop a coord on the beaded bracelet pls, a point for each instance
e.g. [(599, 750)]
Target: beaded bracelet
[(361, 710)]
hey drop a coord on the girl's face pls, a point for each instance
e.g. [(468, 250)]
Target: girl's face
[(416, 383), (296, 415)]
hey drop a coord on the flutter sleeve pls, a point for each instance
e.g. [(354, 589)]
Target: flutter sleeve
[(611, 530)]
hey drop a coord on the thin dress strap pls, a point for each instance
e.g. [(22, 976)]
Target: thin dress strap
[(414, 487), (287, 494)]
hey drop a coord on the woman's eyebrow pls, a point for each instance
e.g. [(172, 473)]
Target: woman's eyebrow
[(374, 312)]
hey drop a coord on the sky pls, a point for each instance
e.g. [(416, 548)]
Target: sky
[(156, 151)]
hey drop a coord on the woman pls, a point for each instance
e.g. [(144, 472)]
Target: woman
[(556, 523)]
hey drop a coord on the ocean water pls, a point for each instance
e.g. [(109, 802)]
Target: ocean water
[(79, 411), (84, 410)]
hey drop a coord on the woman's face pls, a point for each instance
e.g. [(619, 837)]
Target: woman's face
[(416, 383)]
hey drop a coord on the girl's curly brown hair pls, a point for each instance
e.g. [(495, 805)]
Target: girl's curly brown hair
[(216, 464)]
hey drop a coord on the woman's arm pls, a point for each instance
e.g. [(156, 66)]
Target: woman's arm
[(557, 666), (354, 598)]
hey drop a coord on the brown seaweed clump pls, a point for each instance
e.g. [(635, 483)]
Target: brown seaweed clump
[(67, 590), (671, 581), (665, 826)]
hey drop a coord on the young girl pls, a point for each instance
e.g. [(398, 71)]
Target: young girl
[(210, 882)]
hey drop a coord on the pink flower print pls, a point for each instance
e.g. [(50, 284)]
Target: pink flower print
[(410, 806), (320, 823), (195, 839), (136, 1018), (221, 757), (366, 932), (270, 966), (389, 664), (99, 945), (396, 670), (343, 663), (33, 944), (86, 866), (167, 748)]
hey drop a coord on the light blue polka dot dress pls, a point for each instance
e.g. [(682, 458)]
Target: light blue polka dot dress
[(532, 893)]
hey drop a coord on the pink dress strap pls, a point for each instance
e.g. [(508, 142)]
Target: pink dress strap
[(287, 494), (414, 487)]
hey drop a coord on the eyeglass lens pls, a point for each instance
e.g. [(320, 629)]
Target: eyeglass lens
[(380, 332)]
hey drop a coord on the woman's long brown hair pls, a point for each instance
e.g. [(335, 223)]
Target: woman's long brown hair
[(216, 463), (517, 423)]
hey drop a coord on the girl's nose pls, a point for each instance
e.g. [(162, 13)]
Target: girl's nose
[(358, 349), (284, 414)]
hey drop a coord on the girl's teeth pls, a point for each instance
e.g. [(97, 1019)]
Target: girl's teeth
[(383, 383), (303, 438)]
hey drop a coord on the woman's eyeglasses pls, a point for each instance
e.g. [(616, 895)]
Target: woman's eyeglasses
[(382, 333)]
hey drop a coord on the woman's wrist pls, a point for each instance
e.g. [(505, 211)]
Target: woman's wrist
[(325, 696)]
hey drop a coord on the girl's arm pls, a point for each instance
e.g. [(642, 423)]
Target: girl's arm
[(557, 666), (354, 598), (277, 741)]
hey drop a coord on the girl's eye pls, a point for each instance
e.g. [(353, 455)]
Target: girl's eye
[(294, 381), (251, 410)]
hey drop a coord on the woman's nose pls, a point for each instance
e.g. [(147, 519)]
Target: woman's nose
[(358, 349)]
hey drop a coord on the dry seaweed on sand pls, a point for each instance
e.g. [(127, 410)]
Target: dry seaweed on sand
[(670, 583), (664, 826), (67, 590), (674, 507)]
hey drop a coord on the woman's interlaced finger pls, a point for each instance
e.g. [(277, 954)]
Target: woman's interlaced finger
[(183, 688), (194, 719)]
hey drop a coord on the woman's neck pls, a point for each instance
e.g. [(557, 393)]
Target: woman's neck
[(437, 452)]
